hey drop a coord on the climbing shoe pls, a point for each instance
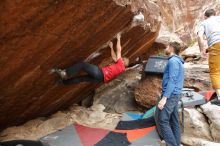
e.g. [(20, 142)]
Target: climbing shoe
[(60, 72), (215, 101)]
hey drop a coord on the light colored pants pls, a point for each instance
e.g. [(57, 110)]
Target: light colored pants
[(214, 65)]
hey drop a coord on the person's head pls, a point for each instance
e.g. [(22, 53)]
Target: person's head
[(173, 48), (126, 61), (209, 13)]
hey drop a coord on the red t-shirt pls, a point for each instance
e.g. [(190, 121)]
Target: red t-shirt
[(111, 71)]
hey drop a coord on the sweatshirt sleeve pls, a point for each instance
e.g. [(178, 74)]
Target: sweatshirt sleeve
[(172, 77)]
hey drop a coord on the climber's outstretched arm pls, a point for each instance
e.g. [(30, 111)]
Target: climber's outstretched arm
[(118, 46), (112, 52)]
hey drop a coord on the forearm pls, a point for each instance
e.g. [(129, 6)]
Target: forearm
[(118, 47), (201, 43), (113, 55)]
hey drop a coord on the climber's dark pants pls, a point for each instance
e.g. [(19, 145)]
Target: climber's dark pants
[(94, 73)]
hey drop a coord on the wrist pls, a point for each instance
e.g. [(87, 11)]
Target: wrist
[(164, 97)]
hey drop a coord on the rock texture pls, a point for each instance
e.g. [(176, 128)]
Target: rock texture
[(148, 90), (199, 142), (201, 126), (182, 16), (166, 35), (192, 53), (37, 128), (212, 112), (36, 36), (197, 76), (195, 125)]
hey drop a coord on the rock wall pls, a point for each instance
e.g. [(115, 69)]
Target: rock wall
[(182, 16), (36, 36)]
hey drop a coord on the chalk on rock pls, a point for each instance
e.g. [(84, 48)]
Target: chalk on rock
[(138, 18)]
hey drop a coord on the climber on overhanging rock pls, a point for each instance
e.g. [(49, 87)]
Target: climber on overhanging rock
[(210, 27), (94, 73)]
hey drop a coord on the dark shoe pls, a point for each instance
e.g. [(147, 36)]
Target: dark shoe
[(215, 101), (60, 72)]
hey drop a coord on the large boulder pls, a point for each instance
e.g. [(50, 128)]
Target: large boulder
[(148, 90), (195, 126), (201, 126), (212, 112), (37, 36)]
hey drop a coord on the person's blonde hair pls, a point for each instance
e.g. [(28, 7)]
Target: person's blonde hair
[(126, 61)]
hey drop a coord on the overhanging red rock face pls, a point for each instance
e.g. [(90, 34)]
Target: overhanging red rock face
[(37, 36)]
